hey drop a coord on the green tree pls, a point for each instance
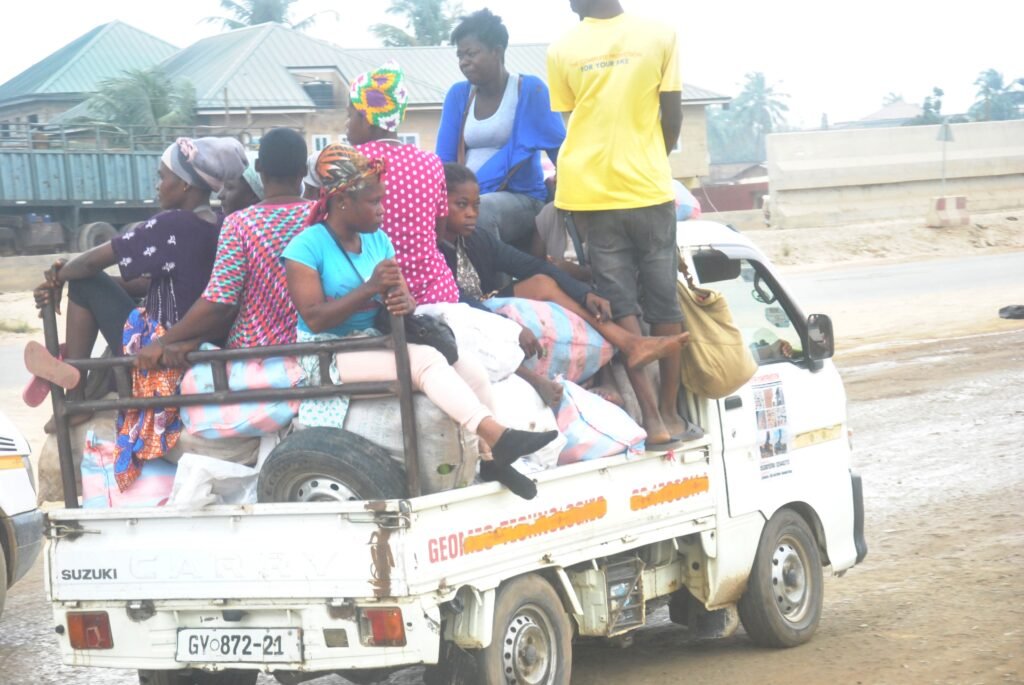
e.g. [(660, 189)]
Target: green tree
[(254, 12), (892, 98), (996, 101), (144, 101), (931, 110), (729, 142), (759, 109), (427, 22)]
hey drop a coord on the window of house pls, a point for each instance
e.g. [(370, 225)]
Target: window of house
[(756, 310), (410, 138), (33, 118), (320, 141), (5, 130)]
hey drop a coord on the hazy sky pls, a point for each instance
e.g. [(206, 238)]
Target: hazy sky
[(830, 57)]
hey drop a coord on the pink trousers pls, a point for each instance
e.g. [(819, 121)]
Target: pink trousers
[(462, 391)]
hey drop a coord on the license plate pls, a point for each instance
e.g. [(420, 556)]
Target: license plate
[(236, 645)]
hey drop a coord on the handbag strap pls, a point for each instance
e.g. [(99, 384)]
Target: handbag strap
[(685, 269)]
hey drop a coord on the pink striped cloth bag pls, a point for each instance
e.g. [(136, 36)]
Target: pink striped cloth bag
[(575, 350), (250, 419), (595, 428), (99, 486)]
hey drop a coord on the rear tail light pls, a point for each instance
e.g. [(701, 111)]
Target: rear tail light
[(382, 627), (89, 630)]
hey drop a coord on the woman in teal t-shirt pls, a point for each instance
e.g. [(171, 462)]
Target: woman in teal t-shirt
[(341, 270)]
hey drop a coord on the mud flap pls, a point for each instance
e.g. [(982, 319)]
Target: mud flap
[(858, 517)]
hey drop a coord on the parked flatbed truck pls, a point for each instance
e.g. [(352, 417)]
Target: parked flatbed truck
[(476, 583)]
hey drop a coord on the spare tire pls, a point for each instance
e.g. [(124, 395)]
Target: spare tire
[(92, 235), (128, 228), (329, 465)]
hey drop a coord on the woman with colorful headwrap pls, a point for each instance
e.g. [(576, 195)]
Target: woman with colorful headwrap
[(416, 202), (342, 270), (165, 261)]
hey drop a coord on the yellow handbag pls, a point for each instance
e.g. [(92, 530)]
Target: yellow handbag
[(716, 361)]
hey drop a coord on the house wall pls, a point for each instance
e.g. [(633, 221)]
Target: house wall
[(831, 177), (691, 159)]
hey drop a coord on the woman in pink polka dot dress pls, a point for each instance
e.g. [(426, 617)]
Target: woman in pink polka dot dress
[(416, 199)]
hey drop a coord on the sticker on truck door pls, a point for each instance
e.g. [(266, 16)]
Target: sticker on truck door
[(772, 425)]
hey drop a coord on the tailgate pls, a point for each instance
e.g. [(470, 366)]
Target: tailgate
[(263, 551)]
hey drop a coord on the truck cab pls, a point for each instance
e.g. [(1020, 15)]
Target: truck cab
[(479, 585)]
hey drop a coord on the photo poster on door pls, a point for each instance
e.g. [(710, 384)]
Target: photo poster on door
[(772, 425)]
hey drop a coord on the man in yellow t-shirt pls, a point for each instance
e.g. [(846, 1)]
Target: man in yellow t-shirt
[(619, 76)]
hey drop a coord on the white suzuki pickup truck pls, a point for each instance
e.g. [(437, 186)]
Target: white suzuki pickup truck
[(476, 583)]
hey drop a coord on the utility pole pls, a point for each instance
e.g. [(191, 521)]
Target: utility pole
[(227, 110)]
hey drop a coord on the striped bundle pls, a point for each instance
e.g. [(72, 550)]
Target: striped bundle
[(99, 486), (595, 428), (249, 419), (575, 350)]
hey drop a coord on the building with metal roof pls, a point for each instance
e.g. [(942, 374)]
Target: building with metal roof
[(254, 78), (69, 75)]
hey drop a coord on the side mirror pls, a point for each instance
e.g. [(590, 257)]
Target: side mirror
[(820, 339)]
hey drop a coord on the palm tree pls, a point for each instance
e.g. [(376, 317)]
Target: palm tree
[(144, 99), (996, 101), (892, 99), (254, 12), (431, 22), (759, 109)]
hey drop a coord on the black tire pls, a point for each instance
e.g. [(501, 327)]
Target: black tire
[(782, 603), (329, 464), (91, 235), (198, 677), (532, 643), (128, 228)]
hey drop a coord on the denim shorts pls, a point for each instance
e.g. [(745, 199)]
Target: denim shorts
[(634, 260)]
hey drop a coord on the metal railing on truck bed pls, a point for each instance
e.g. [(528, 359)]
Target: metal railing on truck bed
[(121, 368)]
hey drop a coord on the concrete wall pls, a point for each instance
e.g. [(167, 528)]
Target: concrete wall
[(844, 176), (691, 159)]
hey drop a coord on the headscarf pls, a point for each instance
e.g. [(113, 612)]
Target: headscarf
[(311, 179), (341, 168), (252, 178), (205, 162), (380, 96)]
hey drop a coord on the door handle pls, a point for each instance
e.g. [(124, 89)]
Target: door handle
[(734, 402)]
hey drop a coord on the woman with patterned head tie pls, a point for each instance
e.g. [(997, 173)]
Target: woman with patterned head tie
[(341, 271), (165, 261), (415, 201)]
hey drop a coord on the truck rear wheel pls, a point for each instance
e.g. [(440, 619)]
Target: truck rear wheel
[(198, 677), (3, 579), (782, 604), (328, 464), (532, 643), (91, 235)]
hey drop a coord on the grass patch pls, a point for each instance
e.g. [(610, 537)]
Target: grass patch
[(8, 326)]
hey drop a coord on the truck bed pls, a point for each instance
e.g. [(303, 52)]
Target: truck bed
[(379, 549)]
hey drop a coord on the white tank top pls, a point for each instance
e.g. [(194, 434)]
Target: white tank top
[(484, 137)]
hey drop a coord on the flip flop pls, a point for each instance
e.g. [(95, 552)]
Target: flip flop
[(42, 364), (38, 388), (692, 432)]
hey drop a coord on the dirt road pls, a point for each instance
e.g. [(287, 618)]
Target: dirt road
[(939, 429)]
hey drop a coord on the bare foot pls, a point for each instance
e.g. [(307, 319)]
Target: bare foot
[(648, 349), (674, 423), (609, 395), (657, 433), (550, 391)]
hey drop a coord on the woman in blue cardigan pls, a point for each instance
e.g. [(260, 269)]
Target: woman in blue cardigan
[(497, 124)]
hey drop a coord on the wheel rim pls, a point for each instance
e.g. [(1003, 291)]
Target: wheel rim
[(527, 653), (321, 489), (791, 583)]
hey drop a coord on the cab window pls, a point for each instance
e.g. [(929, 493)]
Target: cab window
[(756, 310)]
